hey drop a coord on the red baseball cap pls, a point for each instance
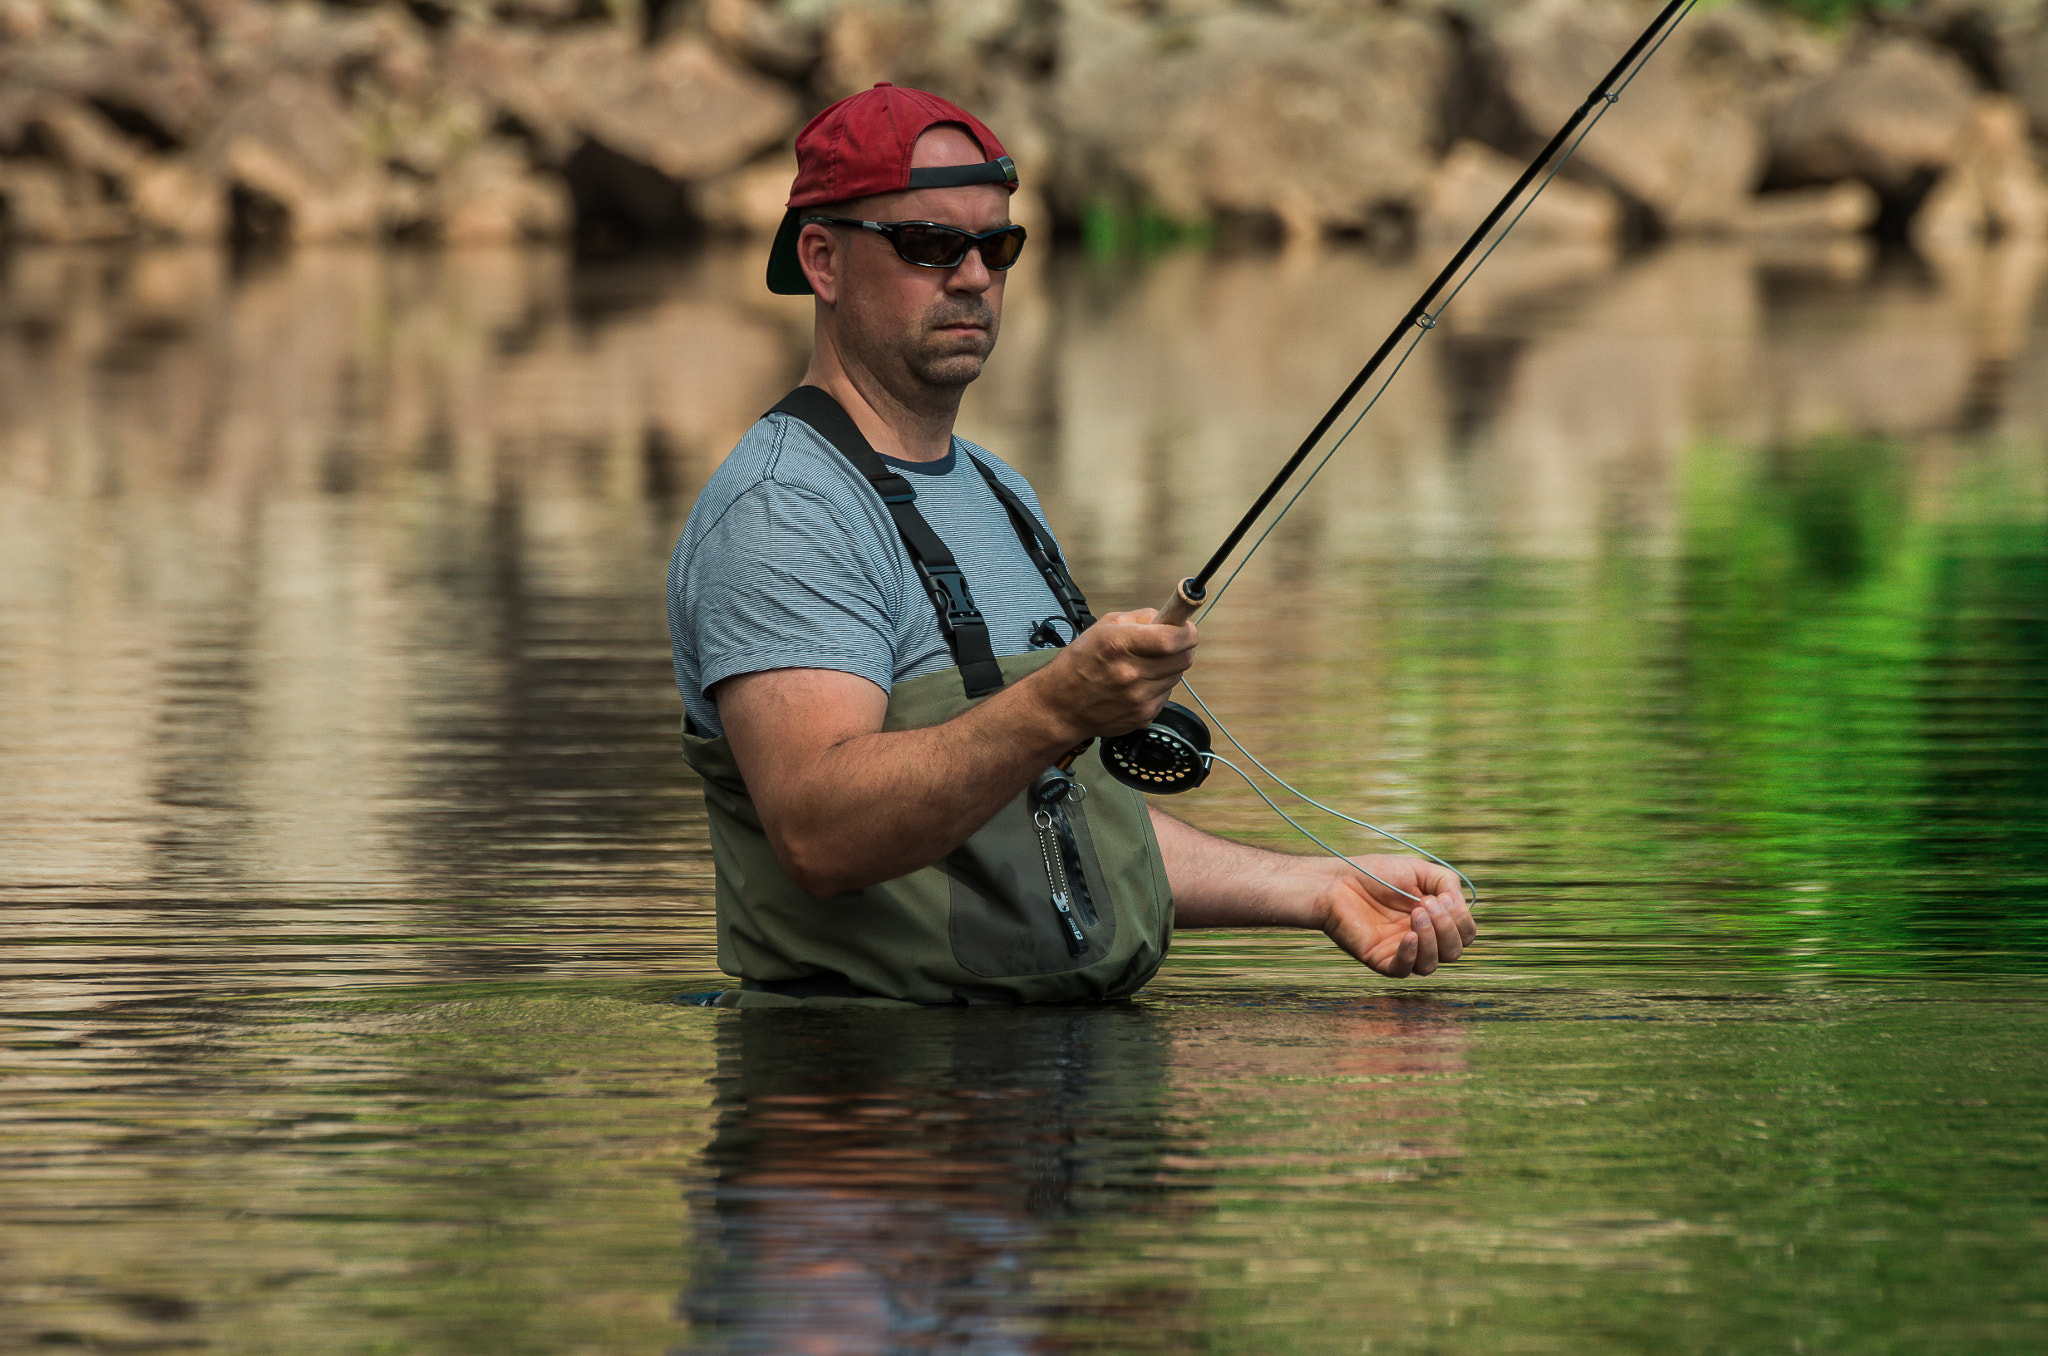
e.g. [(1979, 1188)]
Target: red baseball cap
[(861, 146)]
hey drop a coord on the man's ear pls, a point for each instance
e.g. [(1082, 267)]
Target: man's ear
[(818, 252)]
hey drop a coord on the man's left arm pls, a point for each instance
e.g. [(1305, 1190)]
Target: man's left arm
[(1217, 884)]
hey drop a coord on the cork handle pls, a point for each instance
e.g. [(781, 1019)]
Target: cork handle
[(1186, 598)]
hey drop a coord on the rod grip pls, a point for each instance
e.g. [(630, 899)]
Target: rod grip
[(1186, 598)]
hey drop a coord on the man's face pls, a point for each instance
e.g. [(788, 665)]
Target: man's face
[(931, 327)]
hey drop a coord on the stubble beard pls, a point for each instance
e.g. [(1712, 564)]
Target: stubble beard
[(950, 361)]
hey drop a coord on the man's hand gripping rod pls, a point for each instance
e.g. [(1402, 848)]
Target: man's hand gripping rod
[(1167, 756)]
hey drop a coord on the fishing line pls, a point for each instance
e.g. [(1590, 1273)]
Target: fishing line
[(1173, 754), (1291, 790), (1208, 758), (1424, 325), (1303, 830)]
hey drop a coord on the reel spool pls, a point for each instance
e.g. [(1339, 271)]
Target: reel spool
[(1164, 757)]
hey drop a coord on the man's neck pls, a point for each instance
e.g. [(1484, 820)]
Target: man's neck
[(891, 426)]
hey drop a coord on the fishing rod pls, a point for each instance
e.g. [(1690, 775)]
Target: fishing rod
[(1173, 753)]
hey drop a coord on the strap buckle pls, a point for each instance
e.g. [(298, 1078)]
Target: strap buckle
[(951, 596)]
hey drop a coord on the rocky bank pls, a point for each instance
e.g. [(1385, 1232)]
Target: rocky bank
[(618, 122)]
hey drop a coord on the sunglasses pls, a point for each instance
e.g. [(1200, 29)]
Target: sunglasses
[(930, 245)]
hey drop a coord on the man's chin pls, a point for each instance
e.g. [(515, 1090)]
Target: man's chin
[(955, 369)]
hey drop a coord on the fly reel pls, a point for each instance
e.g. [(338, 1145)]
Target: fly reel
[(1162, 758)]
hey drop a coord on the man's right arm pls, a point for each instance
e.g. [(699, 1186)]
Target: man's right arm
[(848, 805)]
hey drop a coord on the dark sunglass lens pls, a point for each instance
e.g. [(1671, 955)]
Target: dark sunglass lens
[(1000, 251), (932, 246)]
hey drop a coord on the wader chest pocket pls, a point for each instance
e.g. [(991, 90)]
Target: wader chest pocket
[(1004, 921)]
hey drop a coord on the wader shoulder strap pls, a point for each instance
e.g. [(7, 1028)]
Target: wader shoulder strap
[(960, 621), (1043, 550)]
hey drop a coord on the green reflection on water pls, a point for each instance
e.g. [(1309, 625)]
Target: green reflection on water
[(1815, 735)]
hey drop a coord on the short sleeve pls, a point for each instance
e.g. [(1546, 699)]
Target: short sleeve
[(780, 581)]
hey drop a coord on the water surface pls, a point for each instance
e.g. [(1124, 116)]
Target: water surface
[(1693, 603)]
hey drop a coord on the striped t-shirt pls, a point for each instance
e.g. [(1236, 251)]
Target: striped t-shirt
[(789, 560)]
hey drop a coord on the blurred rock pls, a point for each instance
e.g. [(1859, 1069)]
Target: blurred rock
[(681, 109), (491, 197), (81, 137), (1251, 115), (627, 128), (862, 45), (1473, 178), (142, 59), (49, 204), (291, 142), (1684, 141), (1845, 208), (750, 200), (1993, 191), (171, 199), (503, 119), (501, 69), (768, 37), (1892, 114)]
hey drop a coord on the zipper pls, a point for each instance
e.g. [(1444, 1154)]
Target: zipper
[(1072, 903)]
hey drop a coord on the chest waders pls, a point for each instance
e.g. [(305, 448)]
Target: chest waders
[(1061, 897)]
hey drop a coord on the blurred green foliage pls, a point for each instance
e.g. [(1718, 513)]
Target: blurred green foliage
[(1808, 731), (1835, 13), (1112, 231)]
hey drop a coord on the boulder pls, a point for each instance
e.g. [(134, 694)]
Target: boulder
[(502, 70), (861, 44), (2004, 41), (2022, 57), (143, 60), (490, 196), (1684, 141), (92, 182), (1247, 114), (750, 200), (1848, 207), (1892, 114), (292, 143), (54, 204), (173, 199), (1473, 178), (1993, 190), (82, 138), (768, 37), (679, 107)]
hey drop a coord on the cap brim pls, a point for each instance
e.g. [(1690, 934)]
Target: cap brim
[(785, 275)]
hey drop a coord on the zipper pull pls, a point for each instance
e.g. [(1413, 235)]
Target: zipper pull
[(1056, 877)]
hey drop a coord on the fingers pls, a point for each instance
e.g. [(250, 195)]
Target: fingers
[(1461, 915), (1138, 633), (1413, 935), (1451, 926), (1403, 963), (1118, 673), (1423, 930)]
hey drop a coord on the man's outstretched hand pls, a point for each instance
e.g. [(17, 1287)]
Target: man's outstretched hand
[(1396, 936)]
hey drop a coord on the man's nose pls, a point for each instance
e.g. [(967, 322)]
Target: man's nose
[(971, 274)]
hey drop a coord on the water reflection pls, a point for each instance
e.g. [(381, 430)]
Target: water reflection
[(1015, 1182), (910, 1182), (331, 641)]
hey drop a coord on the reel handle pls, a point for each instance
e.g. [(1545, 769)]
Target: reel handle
[(1187, 596)]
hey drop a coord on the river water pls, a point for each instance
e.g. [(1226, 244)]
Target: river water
[(1696, 604)]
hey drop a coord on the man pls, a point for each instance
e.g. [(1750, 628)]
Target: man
[(886, 669)]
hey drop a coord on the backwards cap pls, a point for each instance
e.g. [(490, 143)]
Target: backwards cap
[(860, 147)]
